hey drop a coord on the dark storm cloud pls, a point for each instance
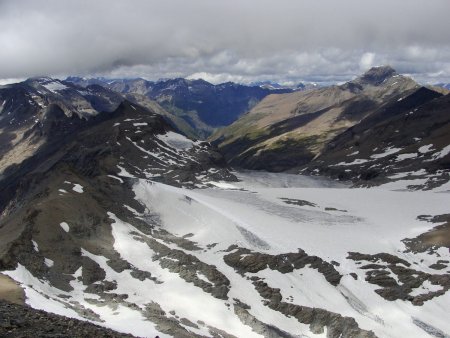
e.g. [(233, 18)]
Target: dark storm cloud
[(220, 40)]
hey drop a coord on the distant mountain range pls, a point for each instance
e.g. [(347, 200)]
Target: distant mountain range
[(197, 106), (274, 85), (444, 85)]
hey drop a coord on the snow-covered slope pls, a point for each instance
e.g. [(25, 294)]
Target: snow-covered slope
[(273, 255)]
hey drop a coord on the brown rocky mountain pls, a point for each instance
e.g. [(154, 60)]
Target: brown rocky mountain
[(291, 131)]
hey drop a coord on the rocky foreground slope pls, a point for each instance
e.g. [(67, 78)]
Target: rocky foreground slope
[(18, 321)]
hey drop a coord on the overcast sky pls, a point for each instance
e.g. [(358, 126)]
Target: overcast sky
[(222, 40)]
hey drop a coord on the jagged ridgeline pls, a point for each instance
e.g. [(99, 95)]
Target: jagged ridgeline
[(196, 107), (110, 214)]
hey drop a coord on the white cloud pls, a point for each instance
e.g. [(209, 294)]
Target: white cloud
[(366, 61), (223, 39)]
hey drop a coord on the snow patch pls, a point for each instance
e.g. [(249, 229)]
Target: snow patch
[(406, 156), (123, 172), (78, 188), (441, 154), (357, 161), (116, 178), (388, 151), (176, 140), (65, 226), (55, 86), (222, 185), (35, 246), (48, 262), (425, 149)]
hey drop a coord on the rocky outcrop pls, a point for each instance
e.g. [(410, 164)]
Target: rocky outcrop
[(398, 280), (436, 238), (246, 261)]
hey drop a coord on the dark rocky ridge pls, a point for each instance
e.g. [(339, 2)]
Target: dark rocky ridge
[(419, 120)]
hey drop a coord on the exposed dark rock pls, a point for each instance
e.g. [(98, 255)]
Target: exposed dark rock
[(91, 271), (405, 281), (244, 260), (438, 266)]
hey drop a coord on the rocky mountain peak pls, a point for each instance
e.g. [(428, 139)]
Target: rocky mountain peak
[(377, 75)]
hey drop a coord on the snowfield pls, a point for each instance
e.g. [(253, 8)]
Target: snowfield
[(271, 214)]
